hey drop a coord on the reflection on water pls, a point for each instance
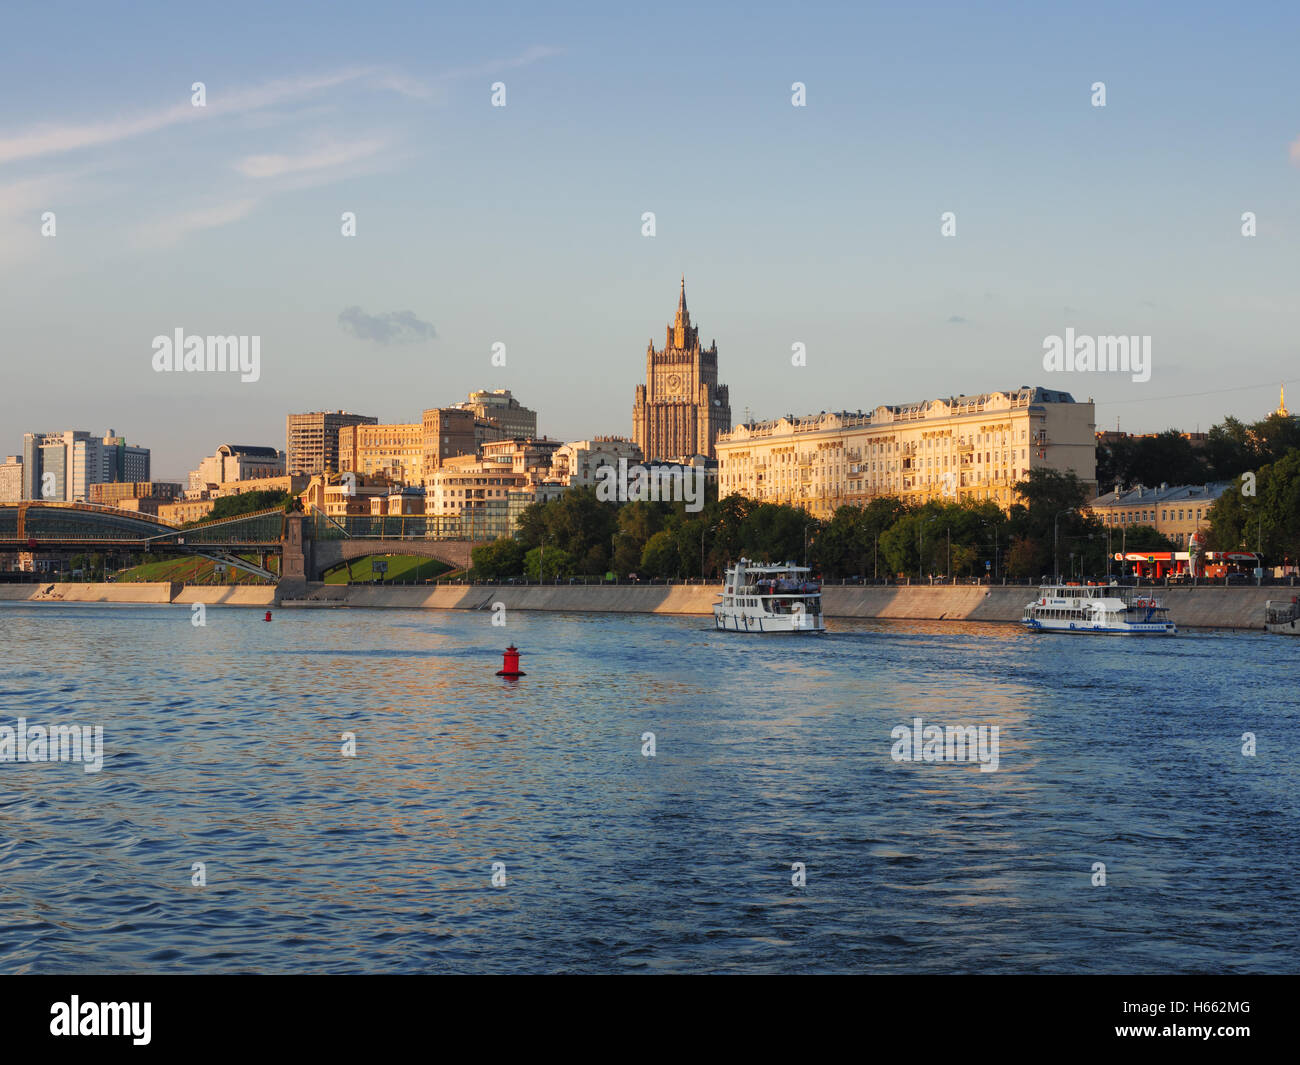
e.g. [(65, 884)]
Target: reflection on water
[(222, 746)]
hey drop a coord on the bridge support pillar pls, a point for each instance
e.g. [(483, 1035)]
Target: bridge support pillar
[(293, 557)]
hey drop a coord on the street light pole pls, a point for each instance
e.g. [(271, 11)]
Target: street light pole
[(1056, 541), (711, 528), (920, 549)]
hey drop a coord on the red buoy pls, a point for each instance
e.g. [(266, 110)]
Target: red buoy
[(510, 665), (268, 616)]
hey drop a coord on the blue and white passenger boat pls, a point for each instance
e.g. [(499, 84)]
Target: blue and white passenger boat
[(1106, 609)]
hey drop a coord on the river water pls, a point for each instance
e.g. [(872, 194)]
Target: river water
[(222, 746)]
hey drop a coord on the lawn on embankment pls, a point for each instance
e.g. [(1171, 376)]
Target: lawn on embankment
[(193, 570), (402, 569)]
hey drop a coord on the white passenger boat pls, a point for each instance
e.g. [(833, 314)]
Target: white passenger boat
[(1100, 609), (763, 598), (1282, 616)]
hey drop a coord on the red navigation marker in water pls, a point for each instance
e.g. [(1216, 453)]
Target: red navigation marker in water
[(510, 665), (268, 616)]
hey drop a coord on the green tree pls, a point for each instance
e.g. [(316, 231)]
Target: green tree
[(636, 522), (1166, 458), (1269, 520), (1229, 450), (501, 558), (1143, 537), (578, 524), (1275, 437), (244, 503), (773, 532), (547, 563), (660, 558), (1028, 557)]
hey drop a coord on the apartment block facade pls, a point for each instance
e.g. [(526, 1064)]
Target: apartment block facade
[(312, 440), (391, 450), (961, 448), (11, 479), (1175, 511), (501, 409), (447, 432), (576, 463), (63, 466), (237, 462)]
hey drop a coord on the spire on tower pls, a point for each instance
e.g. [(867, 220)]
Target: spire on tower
[(683, 315), (1281, 403)]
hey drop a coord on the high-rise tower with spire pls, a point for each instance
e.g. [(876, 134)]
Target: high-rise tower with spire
[(681, 408)]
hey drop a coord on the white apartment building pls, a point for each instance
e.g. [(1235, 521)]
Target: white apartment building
[(576, 463)]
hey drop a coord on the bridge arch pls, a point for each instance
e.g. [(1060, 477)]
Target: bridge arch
[(326, 554)]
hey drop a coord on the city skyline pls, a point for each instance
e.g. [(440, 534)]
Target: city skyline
[(522, 225)]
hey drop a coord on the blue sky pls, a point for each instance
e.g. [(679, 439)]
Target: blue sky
[(522, 224)]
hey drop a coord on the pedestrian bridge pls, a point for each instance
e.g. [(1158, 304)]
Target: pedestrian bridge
[(318, 542), (38, 524)]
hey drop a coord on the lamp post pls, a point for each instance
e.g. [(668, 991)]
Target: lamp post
[(709, 528), (1056, 540), (1259, 549), (806, 527), (990, 525), (920, 544)]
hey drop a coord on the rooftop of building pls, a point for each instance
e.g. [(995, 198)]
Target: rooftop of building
[(1163, 493), (887, 414), (256, 451)]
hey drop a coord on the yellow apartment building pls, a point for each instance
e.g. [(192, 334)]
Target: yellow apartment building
[(961, 448)]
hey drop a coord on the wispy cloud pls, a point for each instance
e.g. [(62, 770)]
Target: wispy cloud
[(496, 66), (391, 327), (27, 197), (1295, 151), (315, 152), (326, 157), (56, 139), (167, 231)]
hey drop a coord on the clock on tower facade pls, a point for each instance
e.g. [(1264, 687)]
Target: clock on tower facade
[(681, 408)]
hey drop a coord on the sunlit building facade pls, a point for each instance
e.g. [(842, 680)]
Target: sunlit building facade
[(963, 448)]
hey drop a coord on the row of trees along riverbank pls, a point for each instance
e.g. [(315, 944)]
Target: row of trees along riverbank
[(578, 535)]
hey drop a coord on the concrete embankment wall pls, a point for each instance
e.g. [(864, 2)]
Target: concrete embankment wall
[(620, 599), (142, 592), (1203, 607)]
